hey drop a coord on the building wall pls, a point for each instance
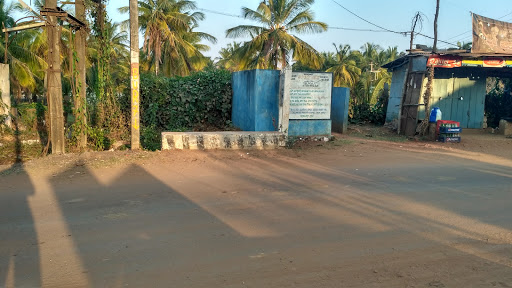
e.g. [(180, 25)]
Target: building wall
[(449, 86), (459, 99), (256, 100), (310, 128), (339, 109), (256, 106), (397, 87), (395, 94)]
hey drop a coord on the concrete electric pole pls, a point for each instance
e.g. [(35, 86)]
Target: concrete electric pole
[(54, 89), (135, 79), (80, 101)]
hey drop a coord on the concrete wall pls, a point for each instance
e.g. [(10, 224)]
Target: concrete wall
[(339, 109), (256, 100), (5, 90), (310, 128)]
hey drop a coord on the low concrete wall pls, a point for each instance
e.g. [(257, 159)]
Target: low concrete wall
[(222, 140), (310, 128), (339, 109)]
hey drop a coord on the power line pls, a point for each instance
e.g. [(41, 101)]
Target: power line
[(330, 27), (430, 37), (470, 37), (369, 22), (383, 30), (358, 29), (387, 30), (220, 13)]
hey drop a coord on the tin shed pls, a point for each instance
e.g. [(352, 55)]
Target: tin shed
[(459, 86)]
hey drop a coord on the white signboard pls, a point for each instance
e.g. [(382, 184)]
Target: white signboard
[(310, 96)]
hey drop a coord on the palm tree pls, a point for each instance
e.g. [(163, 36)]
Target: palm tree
[(25, 64), (118, 57), (181, 60), (229, 58), (345, 70), (169, 38), (272, 41)]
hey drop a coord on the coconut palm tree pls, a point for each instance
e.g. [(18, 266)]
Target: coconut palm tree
[(26, 65), (345, 70), (181, 60), (272, 42), (118, 57), (229, 58), (169, 36)]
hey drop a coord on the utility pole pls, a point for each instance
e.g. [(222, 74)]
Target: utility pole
[(430, 81), (434, 49), (135, 79), (80, 100), (54, 88)]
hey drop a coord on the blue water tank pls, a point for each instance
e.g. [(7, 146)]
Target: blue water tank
[(435, 115)]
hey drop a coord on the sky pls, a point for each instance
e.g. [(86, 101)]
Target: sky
[(454, 20)]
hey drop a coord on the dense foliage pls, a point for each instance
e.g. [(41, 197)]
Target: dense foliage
[(498, 103), (199, 101)]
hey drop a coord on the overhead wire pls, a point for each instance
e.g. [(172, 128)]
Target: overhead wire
[(330, 27), (467, 38), (369, 22), (383, 29), (388, 30)]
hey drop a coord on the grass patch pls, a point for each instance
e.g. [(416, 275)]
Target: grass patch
[(8, 153)]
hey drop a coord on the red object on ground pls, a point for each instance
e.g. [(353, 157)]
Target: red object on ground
[(441, 122)]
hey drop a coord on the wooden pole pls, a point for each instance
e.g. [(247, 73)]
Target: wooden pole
[(430, 81), (434, 49), (55, 82), (80, 100), (135, 79)]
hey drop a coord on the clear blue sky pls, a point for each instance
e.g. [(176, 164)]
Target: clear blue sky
[(395, 15)]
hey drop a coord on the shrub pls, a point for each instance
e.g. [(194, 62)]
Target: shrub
[(202, 99), (498, 103), (151, 138)]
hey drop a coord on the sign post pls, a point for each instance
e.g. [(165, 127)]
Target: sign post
[(284, 101), (311, 95)]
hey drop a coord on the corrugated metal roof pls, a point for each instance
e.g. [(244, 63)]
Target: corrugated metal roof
[(418, 53)]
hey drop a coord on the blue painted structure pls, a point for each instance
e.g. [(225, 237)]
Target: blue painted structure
[(256, 100), (458, 92), (419, 64), (256, 106), (310, 128), (339, 109)]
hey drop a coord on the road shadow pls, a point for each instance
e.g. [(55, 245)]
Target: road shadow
[(221, 222), (19, 245), (131, 228)]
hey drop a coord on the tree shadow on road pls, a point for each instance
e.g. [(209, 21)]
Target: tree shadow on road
[(19, 245), (132, 228)]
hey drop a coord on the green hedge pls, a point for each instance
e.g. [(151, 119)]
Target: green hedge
[(186, 103)]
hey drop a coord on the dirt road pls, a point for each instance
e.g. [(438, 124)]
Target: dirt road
[(355, 214)]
